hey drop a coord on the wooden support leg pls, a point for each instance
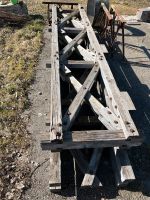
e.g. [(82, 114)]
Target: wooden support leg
[(104, 114), (121, 166), (55, 171), (89, 178), (76, 104)]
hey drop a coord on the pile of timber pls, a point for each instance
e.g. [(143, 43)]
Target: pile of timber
[(14, 13), (88, 111)]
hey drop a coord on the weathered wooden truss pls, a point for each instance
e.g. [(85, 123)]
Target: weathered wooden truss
[(84, 94)]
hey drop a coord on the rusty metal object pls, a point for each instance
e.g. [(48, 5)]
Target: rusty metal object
[(95, 11)]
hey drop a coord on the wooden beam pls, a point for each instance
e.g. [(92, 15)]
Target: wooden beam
[(121, 166), (87, 55), (55, 116), (66, 50), (84, 166), (89, 178), (55, 171), (72, 30), (78, 24), (128, 101), (68, 17), (119, 158), (105, 115), (73, 109), (109, 16), (89, 139), (79, 64), (125, 119), (60, 2)]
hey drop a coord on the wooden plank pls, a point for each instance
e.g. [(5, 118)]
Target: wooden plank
[(105, 115), (84, 165), (68, 17), (72, 30), (78, 24), (55, 171), (89, 139), (74, 108), (66, 50), (127, 101), (60, 2), (125, 119), (121, 166), (87, 55), (109, 16), (55, 116), (78, 64), (89, 178)]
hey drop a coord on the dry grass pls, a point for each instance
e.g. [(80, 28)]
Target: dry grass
[(19, 50), (130, 7)]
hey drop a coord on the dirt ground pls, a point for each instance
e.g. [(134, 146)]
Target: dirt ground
[(132, 75)]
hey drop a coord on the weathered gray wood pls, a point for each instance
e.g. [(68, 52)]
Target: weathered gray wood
[(78, 64), (74, 42), (105, 115), (128, 101), (56, 118), (89, 139), (121, 166), (89, 178), (68, 17), (109, 16), (73, 109), (55, 171), (125, 119), (55, 115), (87, 55), (72, 30), (78, 24), (60, 2), (84, 165)]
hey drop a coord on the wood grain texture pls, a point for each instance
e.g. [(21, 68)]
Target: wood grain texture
[(55, 111), (89, 177), (60, 2), (125, 119), (66, 50), (76, 104), (105, 115), (68, 17), (121, 166)]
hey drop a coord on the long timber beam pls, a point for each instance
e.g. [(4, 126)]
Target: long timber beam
[(126, 121)]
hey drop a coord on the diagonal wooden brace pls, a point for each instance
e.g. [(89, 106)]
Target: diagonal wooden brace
[(105, 115), (74, 108), (84, 166), (64, 53), (90, 175), (68, 17)]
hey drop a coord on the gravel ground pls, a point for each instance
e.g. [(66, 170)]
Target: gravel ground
[(132, 76)]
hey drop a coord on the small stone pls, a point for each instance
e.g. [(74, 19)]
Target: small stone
[(9, 195), (40, 93), (20, 185), (39, 114)]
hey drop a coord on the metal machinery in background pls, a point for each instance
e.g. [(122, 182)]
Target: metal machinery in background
[(107, 21)]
